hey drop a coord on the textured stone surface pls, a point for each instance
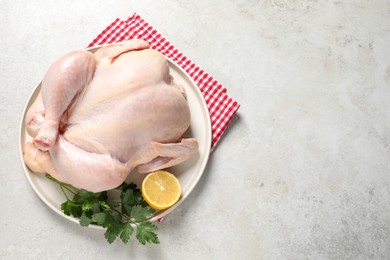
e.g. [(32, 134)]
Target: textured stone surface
[(302, 173)]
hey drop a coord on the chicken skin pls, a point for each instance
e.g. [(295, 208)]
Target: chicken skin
[(100, 115)]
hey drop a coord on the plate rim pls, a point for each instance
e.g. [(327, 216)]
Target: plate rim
[(164, 213)]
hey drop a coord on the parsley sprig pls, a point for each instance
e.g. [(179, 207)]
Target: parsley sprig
[(120, 218)]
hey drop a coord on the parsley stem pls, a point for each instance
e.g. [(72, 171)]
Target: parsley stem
[(67, 188), (63, 185), (66, 196)]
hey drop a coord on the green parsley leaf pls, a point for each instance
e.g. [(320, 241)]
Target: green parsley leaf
[(118, 218), (99, 218), (85, 220), (127, 231), (105, 205), (114, 227), (89, 203), (136, 195), (128, 200), (66, 208), (71, 209), (140, 214), (76, 210), (110, 234), (146, 233), (84, 195)]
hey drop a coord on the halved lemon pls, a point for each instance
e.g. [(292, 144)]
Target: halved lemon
[(161, 189)]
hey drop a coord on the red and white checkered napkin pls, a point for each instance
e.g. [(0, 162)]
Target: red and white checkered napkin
[(222, 108)]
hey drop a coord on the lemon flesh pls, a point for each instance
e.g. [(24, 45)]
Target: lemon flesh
[(161, 189)]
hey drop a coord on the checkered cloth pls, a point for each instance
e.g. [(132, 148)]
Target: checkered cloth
[(221, 107)]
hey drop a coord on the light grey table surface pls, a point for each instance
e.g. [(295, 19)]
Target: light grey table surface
[(303, 171)]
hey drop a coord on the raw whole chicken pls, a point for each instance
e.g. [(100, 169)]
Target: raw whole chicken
[(100, 115)]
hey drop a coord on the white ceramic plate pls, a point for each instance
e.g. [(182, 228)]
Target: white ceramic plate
[(188, 173)]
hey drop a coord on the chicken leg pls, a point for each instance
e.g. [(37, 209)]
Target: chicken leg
[(63, 81)]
